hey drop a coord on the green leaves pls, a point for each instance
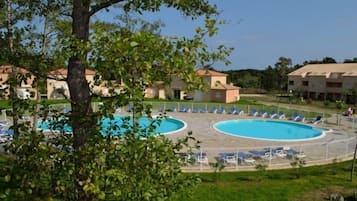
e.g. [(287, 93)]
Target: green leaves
[(133, 44)]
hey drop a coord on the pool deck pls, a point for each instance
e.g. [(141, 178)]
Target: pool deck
[(337, 144), (201, 125)]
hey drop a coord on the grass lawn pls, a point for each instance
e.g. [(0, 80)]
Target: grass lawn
[(311, 183)]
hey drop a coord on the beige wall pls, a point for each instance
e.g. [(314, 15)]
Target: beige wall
[(219, 79), (317, 84), (349, 82), (232, 96), (24, 85), (55, 86)]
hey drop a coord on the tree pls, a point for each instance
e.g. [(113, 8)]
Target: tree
[(82, 11), (354, 60), (270, 79), (88, 165), (283, 67), (328, 60)]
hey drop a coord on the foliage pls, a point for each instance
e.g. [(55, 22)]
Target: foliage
[(340, 104), (217, 167), (262, 169), (314, 184), (87, 164), (297, 164), (120, 168)]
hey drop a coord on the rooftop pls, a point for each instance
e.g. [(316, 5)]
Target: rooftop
[(347, 69)]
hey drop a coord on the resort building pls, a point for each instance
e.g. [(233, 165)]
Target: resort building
[(323, 81), (217, 88), (57, 87), (24, 90)]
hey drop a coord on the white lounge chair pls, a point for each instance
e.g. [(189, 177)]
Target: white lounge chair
[(201, 158)]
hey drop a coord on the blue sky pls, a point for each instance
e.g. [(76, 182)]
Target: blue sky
[(261, 31)]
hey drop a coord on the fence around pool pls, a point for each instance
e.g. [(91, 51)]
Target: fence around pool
[(272, 157), (232, 158)]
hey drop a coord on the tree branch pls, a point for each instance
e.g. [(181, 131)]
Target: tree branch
[(103, 5)]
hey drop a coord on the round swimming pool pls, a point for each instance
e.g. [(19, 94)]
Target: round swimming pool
[(269, 130), (113, 126)]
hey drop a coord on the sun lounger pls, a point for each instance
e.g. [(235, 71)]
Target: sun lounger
[(262, 113), (213, 109), (280, 115), (184, 157), (239, 112), (230, 158), (316, 120), (253, 112), (195, 110), (182, 108), (291, 153), (201, 158), (221, 110), (246, 158), (262, 154), (203, 110), (173, 109), (279, 152), (232, 110), (294, 116), (273, 115), (300, 118)]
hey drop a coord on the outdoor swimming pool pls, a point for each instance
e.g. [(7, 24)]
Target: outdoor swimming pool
[(269, 130), (113, 126)]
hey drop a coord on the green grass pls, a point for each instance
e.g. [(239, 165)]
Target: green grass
[(313, 183)]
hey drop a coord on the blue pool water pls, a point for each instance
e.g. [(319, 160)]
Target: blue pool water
[(167, 126), (269, 130)]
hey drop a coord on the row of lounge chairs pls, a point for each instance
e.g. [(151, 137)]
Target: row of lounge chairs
[(280, 115), (249, 157), (264, 114), (214, 109), (253, 112)]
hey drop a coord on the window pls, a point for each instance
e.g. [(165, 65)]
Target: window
[(291, 82), (305, 83), (218, 94), (334, 84)]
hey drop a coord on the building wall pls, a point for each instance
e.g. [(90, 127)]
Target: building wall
[(56, 87), (232, 96), (218, 95), (26, 85), (219, 79), (320, 87), (176, 84)]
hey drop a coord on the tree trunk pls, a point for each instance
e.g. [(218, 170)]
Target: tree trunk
[(81, 115)]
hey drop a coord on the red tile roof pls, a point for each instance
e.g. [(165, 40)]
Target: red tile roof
[(209, 73), (63, 72), (6, 69)]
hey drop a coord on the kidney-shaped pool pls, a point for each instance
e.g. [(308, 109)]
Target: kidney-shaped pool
[(269, 130)]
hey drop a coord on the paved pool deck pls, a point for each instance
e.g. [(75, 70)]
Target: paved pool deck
[(201, 125)]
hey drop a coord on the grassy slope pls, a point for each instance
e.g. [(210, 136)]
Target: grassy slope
[(314, 183)]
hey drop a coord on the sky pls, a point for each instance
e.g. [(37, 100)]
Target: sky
[(261, 31)]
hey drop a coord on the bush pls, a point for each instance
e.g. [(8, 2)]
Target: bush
[(340, 104)]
